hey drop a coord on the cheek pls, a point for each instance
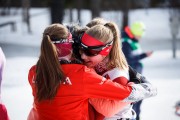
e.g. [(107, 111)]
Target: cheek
[(96, 59)]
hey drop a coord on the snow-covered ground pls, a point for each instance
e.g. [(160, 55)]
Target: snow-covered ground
[(22, 49)]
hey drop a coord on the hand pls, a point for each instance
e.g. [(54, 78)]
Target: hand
[(136, 77), (132, 75), (149, 53)]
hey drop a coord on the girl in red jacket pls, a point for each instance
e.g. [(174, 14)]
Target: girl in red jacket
[(61, 87)]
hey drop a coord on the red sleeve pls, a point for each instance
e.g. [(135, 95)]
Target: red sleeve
[(121, 80), (110, 107), (31, 74), (31, 78), (97, 86)]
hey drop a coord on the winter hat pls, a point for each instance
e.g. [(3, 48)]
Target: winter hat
[(138, 29)]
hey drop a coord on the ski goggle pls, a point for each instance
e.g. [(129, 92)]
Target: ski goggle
[(90, 46), (95, 50), (64, 46)]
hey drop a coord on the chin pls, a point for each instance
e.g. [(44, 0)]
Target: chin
[(89, 65)]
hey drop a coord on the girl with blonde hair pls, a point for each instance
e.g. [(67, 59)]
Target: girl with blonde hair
[(101, 49)]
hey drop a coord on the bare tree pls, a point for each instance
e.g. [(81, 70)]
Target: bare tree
[(174, 24), (79, 4), (125, 13), (25, 13), (95, 8), (6, 4), (57, 11)]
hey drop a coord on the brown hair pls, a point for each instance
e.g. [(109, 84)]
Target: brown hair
[(106, 33), (49, 74)]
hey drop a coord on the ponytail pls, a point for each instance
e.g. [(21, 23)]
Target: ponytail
[(116, 56), (49, 74)]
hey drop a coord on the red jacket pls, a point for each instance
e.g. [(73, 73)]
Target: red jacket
[(71, 101)]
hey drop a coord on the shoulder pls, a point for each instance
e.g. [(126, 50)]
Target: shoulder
[(33, 68), (74, 67), (82, 72), (126, 43), (78, 69), (31, 74), (127, 40)]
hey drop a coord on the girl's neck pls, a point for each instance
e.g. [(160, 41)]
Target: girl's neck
[(102, 67)]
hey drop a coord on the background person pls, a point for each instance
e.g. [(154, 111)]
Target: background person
[(133, 52), (3, 110)]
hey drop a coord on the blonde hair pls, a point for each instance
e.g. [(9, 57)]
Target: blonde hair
[(106, 33), (49, 74), (96, 21)]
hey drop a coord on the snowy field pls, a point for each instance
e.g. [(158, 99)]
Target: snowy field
[(22, 50)]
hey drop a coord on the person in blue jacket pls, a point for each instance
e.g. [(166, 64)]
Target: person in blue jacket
[(133, 53)]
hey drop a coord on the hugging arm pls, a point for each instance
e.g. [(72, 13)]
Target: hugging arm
[(141, 90)]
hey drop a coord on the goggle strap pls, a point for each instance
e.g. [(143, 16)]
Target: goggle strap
[(67, 40), (97, 47), (63, 41)]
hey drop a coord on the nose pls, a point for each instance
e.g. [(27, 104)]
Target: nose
[(83, 56)]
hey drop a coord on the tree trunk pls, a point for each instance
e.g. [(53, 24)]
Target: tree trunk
[(79, 4), (125, 19), (174, 27), (95, 8), (125, 13), (57, 11), (25, 13), (70, 14)]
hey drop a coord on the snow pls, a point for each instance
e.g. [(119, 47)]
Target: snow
[(22, 50)]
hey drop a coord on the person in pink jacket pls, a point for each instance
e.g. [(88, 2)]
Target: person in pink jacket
[(3, 110)]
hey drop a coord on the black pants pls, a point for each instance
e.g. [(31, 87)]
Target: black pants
[(137, 109)]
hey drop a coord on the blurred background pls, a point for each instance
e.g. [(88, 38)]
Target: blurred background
[(22, 23)]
